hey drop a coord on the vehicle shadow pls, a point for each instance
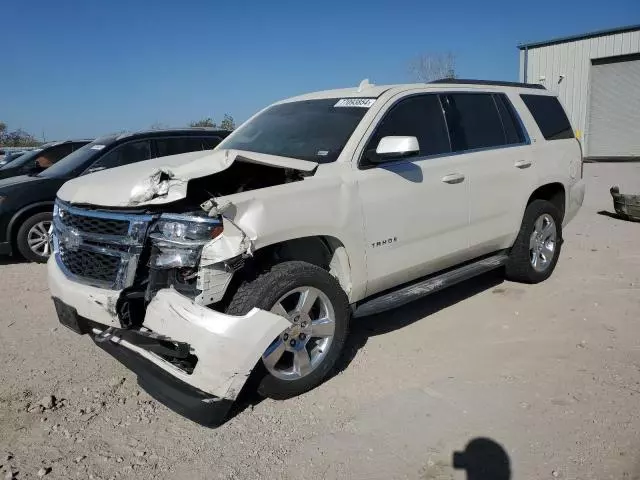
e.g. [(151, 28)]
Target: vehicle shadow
[(385, 322), (606, 213), (483, 459), (379, 324), (11, 260)]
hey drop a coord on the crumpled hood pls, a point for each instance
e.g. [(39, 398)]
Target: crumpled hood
[(162, 180)]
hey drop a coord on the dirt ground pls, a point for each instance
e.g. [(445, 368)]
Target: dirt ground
[(550, 373)]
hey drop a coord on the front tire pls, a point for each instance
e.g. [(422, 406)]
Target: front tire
[(302, 356), (535, 253), (33, 237)]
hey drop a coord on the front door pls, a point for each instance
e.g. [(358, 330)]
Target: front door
[(416, 209)]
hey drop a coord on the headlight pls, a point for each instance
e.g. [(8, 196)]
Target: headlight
[(179, 239)]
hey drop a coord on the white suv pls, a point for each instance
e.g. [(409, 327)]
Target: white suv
[(197, 270)]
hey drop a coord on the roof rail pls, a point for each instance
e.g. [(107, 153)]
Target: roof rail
[(490, 82)]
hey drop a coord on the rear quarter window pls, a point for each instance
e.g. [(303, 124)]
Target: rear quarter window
[(549, 115)]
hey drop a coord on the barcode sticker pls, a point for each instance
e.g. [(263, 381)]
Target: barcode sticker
[(355, 102)]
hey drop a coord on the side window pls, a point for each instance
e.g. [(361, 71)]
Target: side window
[(123, 155), (512, 127), (177, 145), (77, 145), (473, 121), (420, 117), (52, 155), (549, 115), (209, 143)]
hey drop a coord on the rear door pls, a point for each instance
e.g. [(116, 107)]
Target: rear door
[(489, 139), (415, 208)]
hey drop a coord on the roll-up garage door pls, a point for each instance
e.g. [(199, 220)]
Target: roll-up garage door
[(614, 108)]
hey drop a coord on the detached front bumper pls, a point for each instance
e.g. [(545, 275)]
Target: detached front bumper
[(226, 348)]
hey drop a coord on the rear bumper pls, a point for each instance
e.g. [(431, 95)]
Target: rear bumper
[(5, 248), (576, 197), (226, 348)]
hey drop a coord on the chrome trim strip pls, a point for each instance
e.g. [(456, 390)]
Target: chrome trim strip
[(105, 215), (189, 218)]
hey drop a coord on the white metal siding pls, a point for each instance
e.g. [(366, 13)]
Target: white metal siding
[(614, 110), (573, 60)]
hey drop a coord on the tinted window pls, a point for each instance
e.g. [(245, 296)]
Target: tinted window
[(315, 130), (79, 160), (473, 121), (420, 117), (124, 154), (210, 143), (512, 128), (549, 115), (177, 145), (49, 156)]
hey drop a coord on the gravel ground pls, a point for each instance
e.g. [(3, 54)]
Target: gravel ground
[(550, 372)]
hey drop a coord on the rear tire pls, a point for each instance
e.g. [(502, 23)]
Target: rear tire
[(33, 237), (535, 253), (285, 369)]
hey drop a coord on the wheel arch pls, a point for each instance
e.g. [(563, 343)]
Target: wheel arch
[(21, 215), (554, 192), (325, 251)]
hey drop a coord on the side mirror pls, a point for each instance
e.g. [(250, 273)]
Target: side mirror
[(394, 147)]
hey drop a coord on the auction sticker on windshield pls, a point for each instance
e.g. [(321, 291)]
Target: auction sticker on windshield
[(355, 102)]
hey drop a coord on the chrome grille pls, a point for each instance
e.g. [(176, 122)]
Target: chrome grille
[(96, 247), (94, 265), (101, 226)]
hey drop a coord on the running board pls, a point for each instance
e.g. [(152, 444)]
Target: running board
[(426, 287)]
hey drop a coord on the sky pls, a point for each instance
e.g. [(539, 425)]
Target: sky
[(85, 68)]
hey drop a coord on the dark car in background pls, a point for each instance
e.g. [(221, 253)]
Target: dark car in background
[(38, 160), (10, 157), (26, 201)]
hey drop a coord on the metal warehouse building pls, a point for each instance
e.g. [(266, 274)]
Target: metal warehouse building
[(597, 77)]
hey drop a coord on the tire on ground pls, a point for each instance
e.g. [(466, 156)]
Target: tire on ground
[(22, 241), (518, 267), (265, 290)]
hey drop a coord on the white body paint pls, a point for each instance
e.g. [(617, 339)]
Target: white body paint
[(393, 224)]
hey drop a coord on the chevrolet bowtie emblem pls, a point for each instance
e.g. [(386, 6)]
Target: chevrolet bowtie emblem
[(70, 239)]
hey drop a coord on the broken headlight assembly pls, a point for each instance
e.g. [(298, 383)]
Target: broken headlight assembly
[(178, 239)]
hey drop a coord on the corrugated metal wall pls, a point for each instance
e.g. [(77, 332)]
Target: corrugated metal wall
[(573, 60)]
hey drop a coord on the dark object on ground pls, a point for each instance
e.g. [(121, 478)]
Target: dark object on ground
[(483, 459), (626, 206)]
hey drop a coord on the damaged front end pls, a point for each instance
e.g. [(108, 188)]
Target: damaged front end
[(141, 283), (143, 277)]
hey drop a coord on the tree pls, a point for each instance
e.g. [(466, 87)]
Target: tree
[(16, 138), (429, 67), (205, 122), (227, 123)]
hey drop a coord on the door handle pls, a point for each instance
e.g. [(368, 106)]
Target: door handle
[(523, 163), (453, 178)]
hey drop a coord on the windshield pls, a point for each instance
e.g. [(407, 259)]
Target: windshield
[(30, 156), (74, 163), (315, 130)]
